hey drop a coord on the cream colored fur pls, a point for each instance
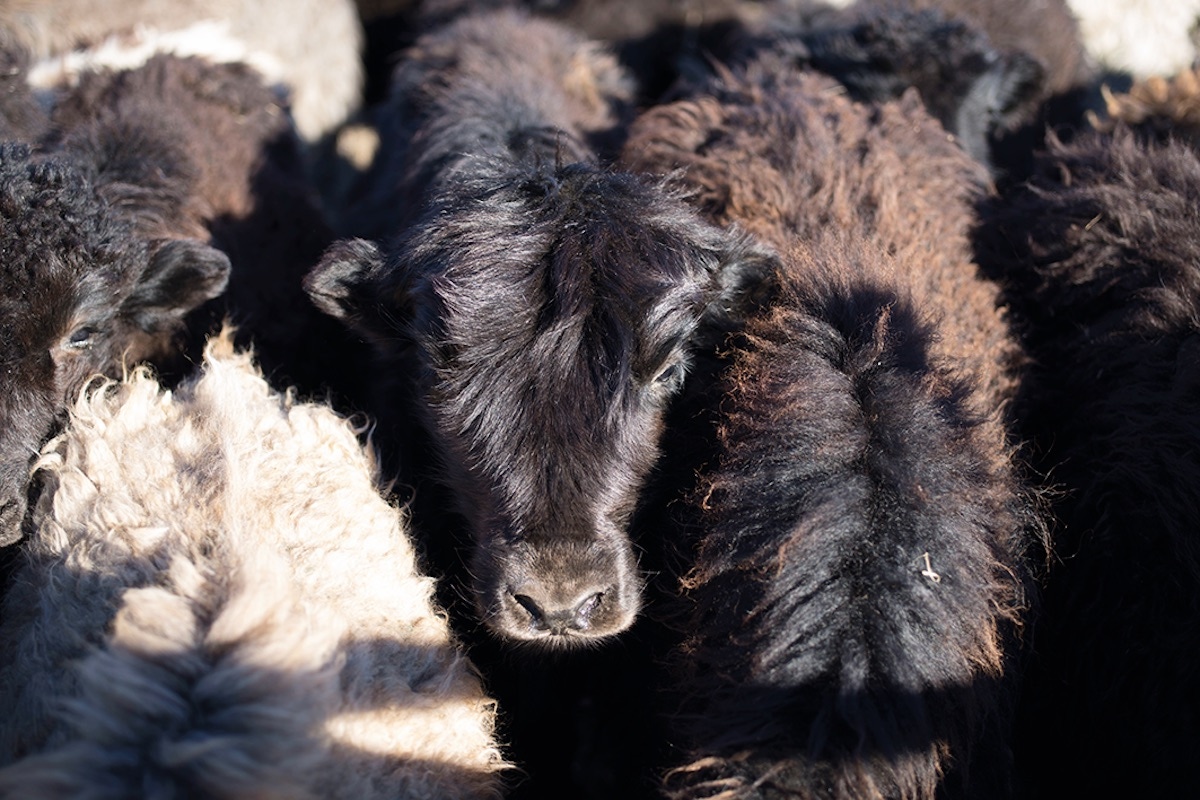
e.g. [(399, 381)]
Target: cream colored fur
[(210, 40), (1141, 37), (216, 596)]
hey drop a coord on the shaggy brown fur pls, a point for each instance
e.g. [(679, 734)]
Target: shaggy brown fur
[(923, 230), (188, 148), (1158, 108), (853, 599)]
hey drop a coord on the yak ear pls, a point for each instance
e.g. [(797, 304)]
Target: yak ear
[(349, 284), (999, 100), (744, 281), (181, 276), (1010, 87)]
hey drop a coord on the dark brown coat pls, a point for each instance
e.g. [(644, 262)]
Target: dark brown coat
[(851, 586)]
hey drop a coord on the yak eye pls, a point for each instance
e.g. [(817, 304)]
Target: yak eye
[(670, 377), (82, 337)]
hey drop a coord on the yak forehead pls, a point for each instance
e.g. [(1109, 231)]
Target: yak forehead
[(582, 268), (542, 452), (33, 316), (575, 314), (61, 264)]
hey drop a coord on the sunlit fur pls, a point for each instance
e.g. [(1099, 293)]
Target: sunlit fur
[(1157, 108), (216, 600)]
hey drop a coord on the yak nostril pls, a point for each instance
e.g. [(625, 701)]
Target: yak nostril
[(536, 616), (560, 620), (584, 611)]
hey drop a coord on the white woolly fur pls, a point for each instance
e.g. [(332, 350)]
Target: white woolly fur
[(1141, 37), (216, 596)]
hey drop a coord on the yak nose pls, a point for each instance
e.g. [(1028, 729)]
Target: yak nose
[(552, 615), (562, 593)]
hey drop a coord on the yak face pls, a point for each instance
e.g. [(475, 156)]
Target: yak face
[(78, 296), (551, 316)]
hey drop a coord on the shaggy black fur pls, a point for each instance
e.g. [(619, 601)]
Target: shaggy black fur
[(1101, 257), (533, 314), (990, 82), (658, 41), (551, 310), (544, 307), (501, 82)]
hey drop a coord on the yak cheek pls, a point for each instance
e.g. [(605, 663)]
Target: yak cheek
[(563, 592), (14, 476), (35, 392), (28, 414)]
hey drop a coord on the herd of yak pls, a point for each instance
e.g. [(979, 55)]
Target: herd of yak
[(682, 399)]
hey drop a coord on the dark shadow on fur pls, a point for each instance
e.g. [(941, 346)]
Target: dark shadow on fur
[(137, 764), (801, 565), (1098, 257), (807, 741), (270, 250)]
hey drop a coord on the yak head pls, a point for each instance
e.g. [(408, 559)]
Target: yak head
[(550, 313)]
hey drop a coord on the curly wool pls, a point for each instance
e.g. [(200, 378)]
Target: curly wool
[(217, 597)]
